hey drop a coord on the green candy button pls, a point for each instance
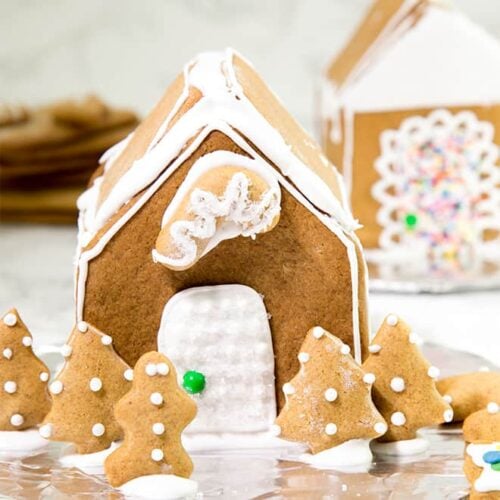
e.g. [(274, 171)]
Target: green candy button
[(193, 382), (496, 467), (411, 220)]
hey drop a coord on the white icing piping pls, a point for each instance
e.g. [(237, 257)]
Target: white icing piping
[(153, 164)]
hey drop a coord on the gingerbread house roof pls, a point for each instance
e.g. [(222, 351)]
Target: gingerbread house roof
[(408, 54), (217, 91)]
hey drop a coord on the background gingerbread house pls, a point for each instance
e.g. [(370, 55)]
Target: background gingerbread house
[(411, 113), (218, 233)]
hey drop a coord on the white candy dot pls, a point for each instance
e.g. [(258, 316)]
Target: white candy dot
[(398, 418), (484, 368), (106, 340), (46, 431), (433, 372), (98, 430), (318, 332), (492, 407), (448, 415), (288, 388), (151, 369), (448, 398), (392, 320), (380, 427), (397, 384), (331, 394), (374, 348), (157, 455), (44, 376), (158, 428), (82, 326), (331, 429), (414, 338), (162, 368), (7, 353), (10, 387), (369, 378), (129, 374), (156, 398), (66, 350), (10, 319), (345, 349), (275, 430), (56, 387), (16, 420), (303, 357), (95, 384), (27, 341)]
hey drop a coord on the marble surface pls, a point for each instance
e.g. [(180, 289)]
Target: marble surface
[(36, 276)]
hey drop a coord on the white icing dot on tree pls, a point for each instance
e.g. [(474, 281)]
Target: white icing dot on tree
[(484, 369), (288, 388), (95, 384), (16, 420), (345, 349), (397, 384), (128, 374), (156, 398), (106, 340), (433, 372), (46, 431), (303, 357), (27, 341), (398, 418), (10, 319), (392, 320), (380, 427), (331, 394), (448, 398), (374, 348), (318, 332), (98, 430), (448, 415), (492, 407), (66, 350), (7, 353), (331, 429), (44, 376), (414, 338), (10, 387), (151, 369), (158, 428), (56, 387), (275, 430), (369, 378), (82, 326), (162, 369), (157, 455)]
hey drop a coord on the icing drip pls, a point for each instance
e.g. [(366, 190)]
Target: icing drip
[(483, 455), (160, 486), (355, 452)]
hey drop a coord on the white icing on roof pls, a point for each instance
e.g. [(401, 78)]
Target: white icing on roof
[(445, 59)]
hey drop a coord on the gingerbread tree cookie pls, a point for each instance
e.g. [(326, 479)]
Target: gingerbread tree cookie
[(482, 453), (24, 399), (153, 415), (86, 390), (405, 383), (328, 402)]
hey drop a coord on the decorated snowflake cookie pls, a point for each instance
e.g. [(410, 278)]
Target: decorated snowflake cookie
[(84, 393), (328, 402), (404, 389), (153, 415)]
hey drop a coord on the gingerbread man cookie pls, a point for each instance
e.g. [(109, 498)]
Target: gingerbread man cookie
[(470, 392), (24, 399), (153, 415), (84, 393)]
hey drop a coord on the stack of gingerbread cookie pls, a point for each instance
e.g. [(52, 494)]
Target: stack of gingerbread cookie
[(48, 154)]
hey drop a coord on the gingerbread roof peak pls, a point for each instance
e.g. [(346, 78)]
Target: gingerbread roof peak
[(451, 58), (217, 91)]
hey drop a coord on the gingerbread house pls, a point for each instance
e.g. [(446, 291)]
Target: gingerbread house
[(219, 234), (411, 113)]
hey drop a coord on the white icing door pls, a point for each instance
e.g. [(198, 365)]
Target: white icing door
[(222, 332)]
